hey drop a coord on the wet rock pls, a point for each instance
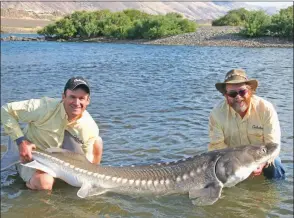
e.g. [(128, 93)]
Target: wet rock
[(220, 36), (15, 38)]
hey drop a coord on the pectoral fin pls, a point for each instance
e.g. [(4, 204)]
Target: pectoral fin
[(36, 165), (88, 190), (205, 196)]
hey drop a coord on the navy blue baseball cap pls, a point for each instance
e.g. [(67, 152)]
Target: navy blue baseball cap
[(77, 82)]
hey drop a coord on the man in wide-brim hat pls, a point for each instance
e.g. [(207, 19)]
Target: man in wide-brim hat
[(236, 76), (243, 118)]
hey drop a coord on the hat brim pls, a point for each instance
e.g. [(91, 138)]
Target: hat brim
[(221, 87)]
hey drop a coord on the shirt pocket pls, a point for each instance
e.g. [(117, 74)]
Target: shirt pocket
[(256, 136)]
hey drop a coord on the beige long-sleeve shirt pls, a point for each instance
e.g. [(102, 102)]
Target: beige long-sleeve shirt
[(46, 122), (260, 125)]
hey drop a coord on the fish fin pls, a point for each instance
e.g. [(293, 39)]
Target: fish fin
[(205, 196), (88, 190), (36, 165), (10, 157)]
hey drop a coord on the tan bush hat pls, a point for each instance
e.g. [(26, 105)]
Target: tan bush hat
[(236, 76)]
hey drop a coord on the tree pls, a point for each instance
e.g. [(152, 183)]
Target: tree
[(64, 28), (256, 24), (135, 14), (282, 23), (235, 17), (128, 24), (48, 30), (117, 25)]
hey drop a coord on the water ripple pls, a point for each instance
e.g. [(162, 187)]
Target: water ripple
[(152, 104)]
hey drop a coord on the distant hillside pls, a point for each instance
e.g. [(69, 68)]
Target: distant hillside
[(49, 10)]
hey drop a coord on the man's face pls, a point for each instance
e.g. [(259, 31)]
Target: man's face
[(240, 102), (75, 102)]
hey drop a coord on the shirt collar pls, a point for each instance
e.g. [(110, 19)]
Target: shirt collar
[(76, 120), (231, 110), (62, 111), (248, 111)]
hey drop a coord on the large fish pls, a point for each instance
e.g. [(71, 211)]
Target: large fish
[(202, 176)]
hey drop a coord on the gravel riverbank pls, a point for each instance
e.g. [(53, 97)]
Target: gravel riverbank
[(220, 36), (204, 36)]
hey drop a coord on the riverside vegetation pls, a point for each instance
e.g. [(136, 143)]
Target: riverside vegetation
[(134, 24), (238, 28), (258, 23), (127, 24)]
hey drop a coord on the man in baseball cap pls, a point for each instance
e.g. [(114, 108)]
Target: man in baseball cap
[(52, 123)]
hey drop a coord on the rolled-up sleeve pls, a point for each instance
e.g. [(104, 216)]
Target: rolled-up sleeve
[(22, 111), (216, 134)]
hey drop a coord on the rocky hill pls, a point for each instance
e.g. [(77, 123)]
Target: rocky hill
[(43, 9), (29, 16)]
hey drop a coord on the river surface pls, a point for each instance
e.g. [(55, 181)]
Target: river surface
[(152, 104)]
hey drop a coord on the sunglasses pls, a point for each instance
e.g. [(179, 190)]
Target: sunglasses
[(234, 93)]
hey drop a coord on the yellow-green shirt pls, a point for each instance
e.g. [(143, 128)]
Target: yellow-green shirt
[(260, 125), (46, 122)]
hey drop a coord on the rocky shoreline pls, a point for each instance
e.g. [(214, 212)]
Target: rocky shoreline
[(204, 36)]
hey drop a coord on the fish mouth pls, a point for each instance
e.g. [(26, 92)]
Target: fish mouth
[(274, 148)]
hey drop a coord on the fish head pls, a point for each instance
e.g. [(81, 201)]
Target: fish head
[(235, 165), (260, 154)]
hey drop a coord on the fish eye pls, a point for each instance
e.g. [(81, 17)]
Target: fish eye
[(263, 150)]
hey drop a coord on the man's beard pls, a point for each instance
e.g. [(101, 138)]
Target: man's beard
[(241, 108)]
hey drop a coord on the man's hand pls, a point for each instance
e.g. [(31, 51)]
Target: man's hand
[(25, 150), (258, 171)]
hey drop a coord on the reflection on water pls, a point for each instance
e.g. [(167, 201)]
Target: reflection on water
[(151, 104)]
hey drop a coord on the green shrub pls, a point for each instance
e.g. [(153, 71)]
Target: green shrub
[(48, 30), (282, 23), (128, 24), (256, 24), (117, 25), (135, 14), (232, 18), (162, 26), (64, 28)]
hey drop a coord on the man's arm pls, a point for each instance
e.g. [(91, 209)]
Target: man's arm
[(94, 155), (272, 130), (216, 135), (97, 151), (24, 111)]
